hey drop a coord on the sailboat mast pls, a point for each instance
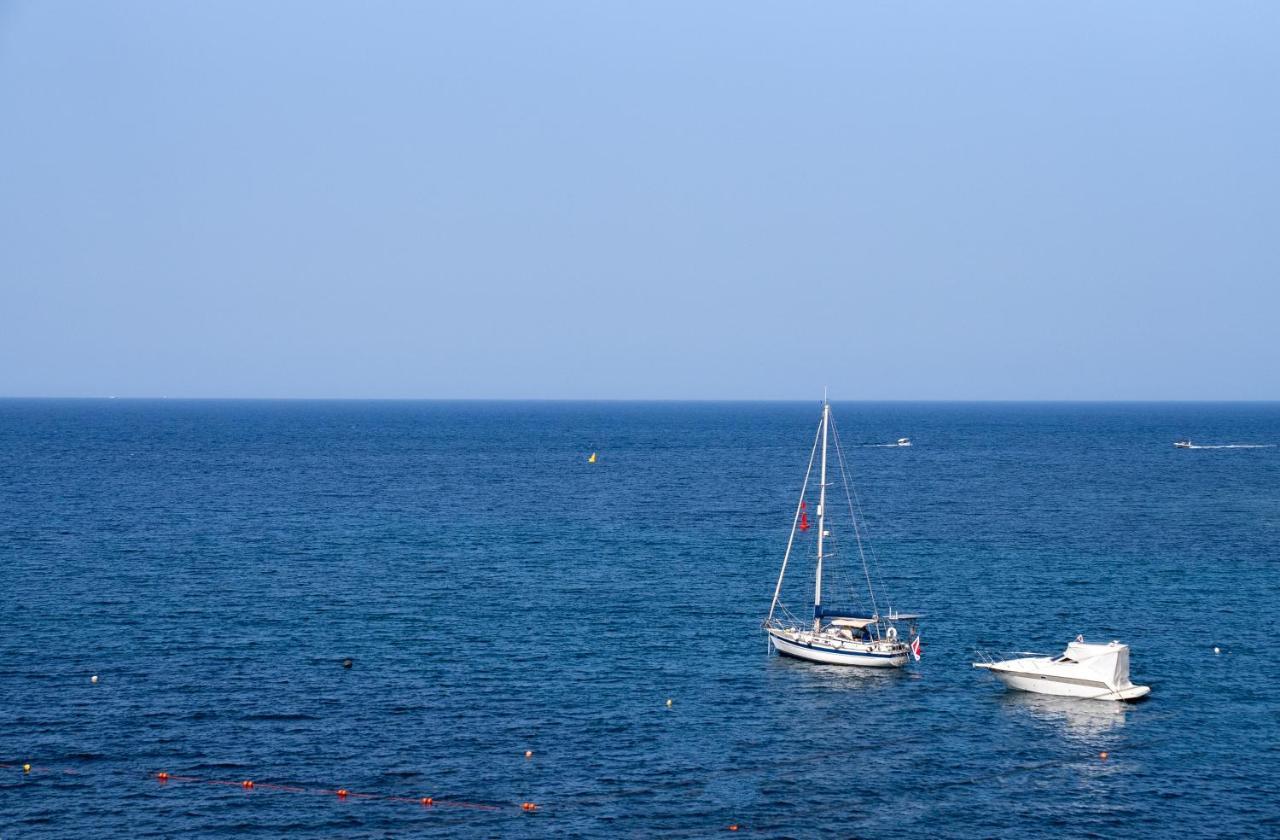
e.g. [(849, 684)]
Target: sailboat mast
[(822, 515)]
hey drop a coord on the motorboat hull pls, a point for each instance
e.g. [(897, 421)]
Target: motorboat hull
[(1087, 671), (1063, 686), (836, 652)]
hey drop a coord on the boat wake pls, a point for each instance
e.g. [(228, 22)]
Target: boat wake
[(1230, 446)]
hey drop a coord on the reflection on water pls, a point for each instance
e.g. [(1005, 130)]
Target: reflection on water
[(1071, 715)]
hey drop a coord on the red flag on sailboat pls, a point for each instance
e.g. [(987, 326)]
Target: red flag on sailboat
[(915, 648), (804, 518)]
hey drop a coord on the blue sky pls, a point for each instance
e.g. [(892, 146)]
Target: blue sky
[(621, 200)]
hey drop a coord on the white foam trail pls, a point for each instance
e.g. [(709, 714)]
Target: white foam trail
[(1232, 446)]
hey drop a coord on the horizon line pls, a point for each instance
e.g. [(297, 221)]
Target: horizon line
[(993, 400)]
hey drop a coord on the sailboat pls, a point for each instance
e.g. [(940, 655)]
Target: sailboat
[(837, 635)]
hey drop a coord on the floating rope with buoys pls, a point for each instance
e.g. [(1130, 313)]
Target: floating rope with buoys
[(164, 777)]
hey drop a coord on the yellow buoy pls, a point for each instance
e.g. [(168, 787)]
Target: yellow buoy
[(668, 701), (26, 768), (592, 459)]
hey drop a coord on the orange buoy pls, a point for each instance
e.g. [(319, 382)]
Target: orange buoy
[(733, 827), (162, 776), (247, 784), (528, 806), (428, 801), (342, 793), (1102, 755)]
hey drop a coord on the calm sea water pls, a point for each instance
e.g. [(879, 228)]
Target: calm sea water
[(214, 563)]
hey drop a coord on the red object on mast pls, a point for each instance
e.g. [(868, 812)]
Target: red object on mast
[(804, 518)]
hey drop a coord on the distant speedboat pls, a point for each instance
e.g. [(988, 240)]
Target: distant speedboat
[(904, 441), (1182, 444), (1088, 671)]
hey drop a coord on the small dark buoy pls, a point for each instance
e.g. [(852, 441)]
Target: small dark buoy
[(347, 663)]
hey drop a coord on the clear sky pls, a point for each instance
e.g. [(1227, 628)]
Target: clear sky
[(900, 200)]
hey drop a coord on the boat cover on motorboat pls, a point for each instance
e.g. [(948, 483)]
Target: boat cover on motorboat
[(1092, 671)]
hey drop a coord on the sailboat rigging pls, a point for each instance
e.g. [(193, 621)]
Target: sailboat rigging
[(837, 635)]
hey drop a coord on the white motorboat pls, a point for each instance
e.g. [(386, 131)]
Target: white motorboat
[(1183, 444), (837, 635), (904, 441), (1091, 671)]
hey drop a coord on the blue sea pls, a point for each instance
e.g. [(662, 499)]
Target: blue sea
[(214, 562)]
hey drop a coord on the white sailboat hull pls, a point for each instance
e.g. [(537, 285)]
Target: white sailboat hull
[(804, 646)]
